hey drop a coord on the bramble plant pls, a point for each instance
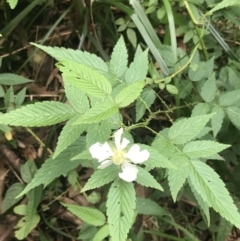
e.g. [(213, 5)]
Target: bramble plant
[(97, 92)]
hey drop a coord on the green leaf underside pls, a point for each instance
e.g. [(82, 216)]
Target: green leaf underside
[(121, 203), (53, 168), (213, 191), (12, 79), (89, 215), (119, 59), (177, 178), (85, 78), (63, 54), (38, 114), (101, 177), (197, 149), (69, 134), (145, 179), (97, 113), (188, 128), (129, 94)]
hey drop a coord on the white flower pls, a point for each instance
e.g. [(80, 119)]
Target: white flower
[(120, 156)]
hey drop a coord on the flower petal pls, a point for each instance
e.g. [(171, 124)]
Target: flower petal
[(117, 138), (101, 151), (129, 173), (105, 164), (136, 156)]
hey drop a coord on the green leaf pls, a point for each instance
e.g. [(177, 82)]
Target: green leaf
[(163, 144), (217, 119), (119, 59), (197, 149), (10, 197), (12, 79), (69, 134), (188, 128), (229, 98), (224, 229), (121, 203), (99, 132), (20, 97), (90, 81), (89, 215), (145, 179), (137, 70), (203, 205), (97, 113), (101, 177), (149, 207), (129, 94), (25, 225), (102, 233), (53, 168), (201, 70), (38, 114), (224, 4), (233, 114), (28, 170), (63, 54), (156, 159), (213, 191), (172, 89), (146, 99), (12, 3), (201, 109), (77, 98), (177, 178), (132, 37), (209, 88)]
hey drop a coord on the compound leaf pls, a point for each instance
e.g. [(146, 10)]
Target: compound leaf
[(197, 149), (38, 114), (213, 191), (121, 203), (186, 129)]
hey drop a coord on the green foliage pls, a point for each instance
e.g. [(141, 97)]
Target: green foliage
[(38, 114), (121, 203), (187, 129), (129, 94), (119, 59), (89, 215), (53, 168), (213, 191), (85, 78), (101, 177), (146, 179), (224, 4), (12, 79), (10, 198)]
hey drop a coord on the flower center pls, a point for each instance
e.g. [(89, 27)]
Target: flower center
[(118, 158)]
